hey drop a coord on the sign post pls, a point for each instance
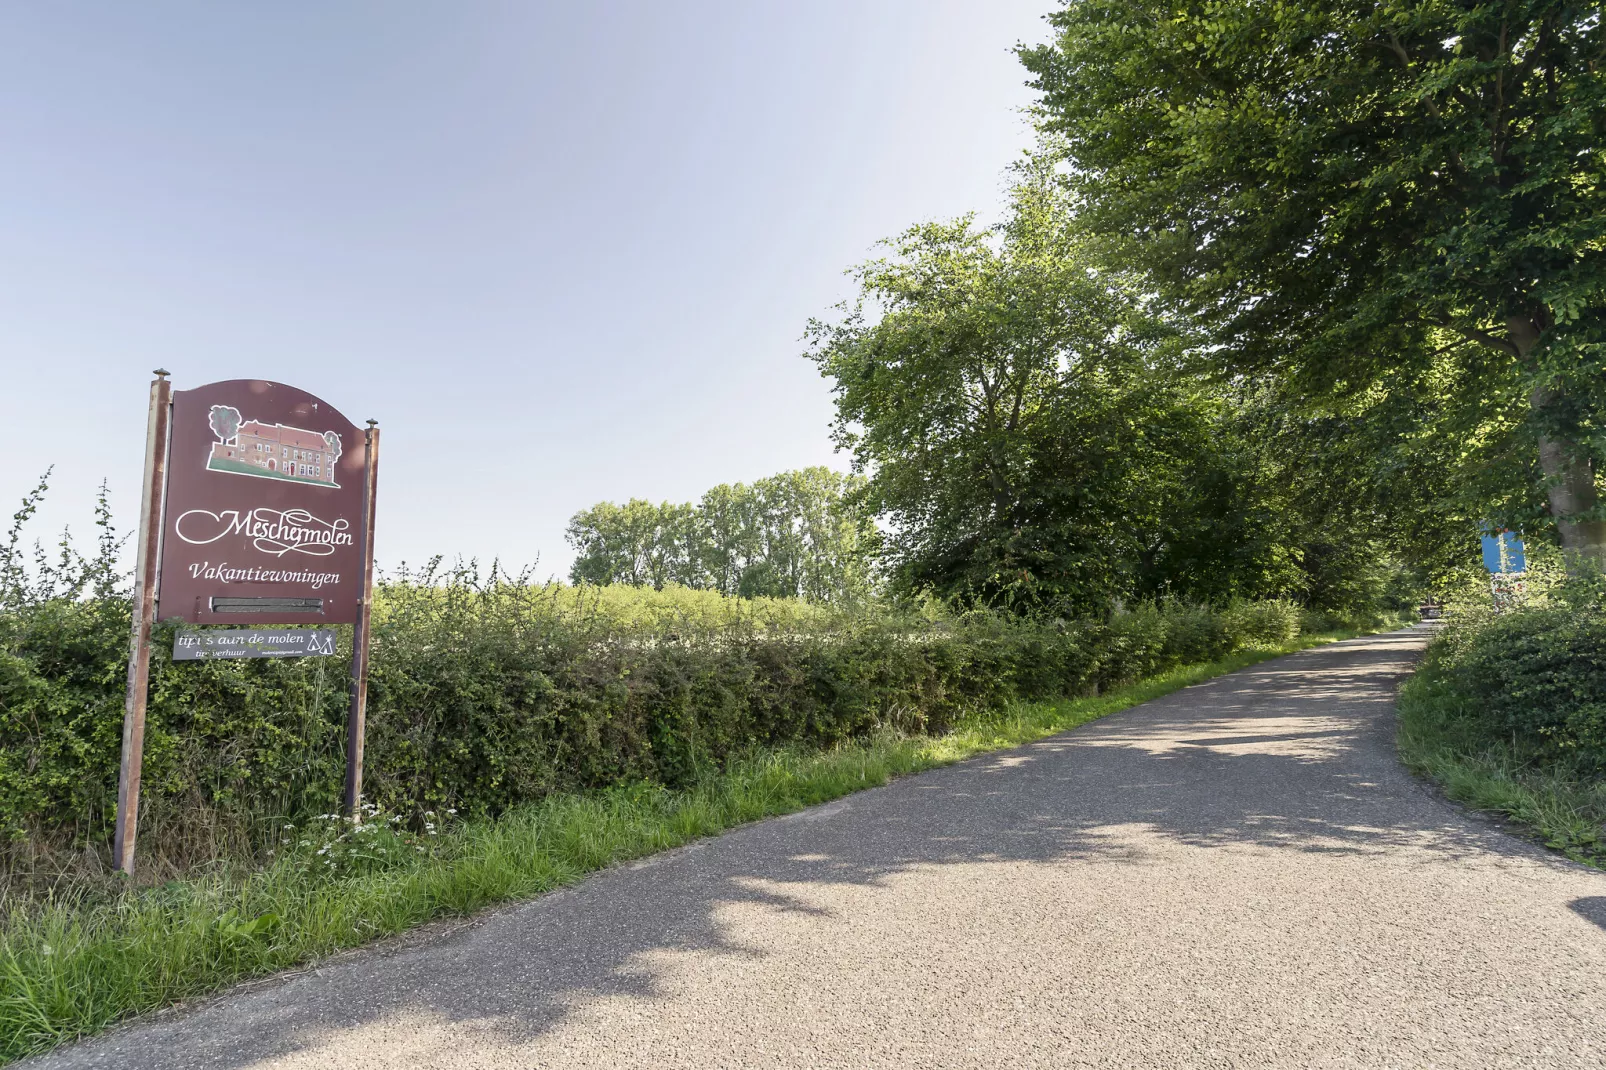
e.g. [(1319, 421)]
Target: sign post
[(151, 498), (258, 508), (357, 718)]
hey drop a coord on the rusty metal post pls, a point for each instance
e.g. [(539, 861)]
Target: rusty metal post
[(139, 647), (357, 718)]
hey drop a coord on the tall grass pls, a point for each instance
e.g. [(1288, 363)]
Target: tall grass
[(70, 965)]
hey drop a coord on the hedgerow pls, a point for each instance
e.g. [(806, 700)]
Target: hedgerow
[(1534, 676), (1507, 711), (487, 691)]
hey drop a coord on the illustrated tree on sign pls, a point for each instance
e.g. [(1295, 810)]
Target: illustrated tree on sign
[(225, 421), (331, 446)]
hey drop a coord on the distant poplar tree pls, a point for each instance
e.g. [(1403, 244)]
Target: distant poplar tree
[(638, 543), (794, 535)]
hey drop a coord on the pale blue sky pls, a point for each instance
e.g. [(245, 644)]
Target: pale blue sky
[(562, 252)]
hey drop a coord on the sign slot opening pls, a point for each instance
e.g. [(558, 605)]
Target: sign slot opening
[(259, 605)]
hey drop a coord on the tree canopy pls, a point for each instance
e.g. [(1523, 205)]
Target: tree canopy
[(1358, 198), (793, 535), (1033, 434), (1289, 296)]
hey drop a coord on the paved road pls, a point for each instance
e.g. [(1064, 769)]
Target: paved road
[(1237, 875)]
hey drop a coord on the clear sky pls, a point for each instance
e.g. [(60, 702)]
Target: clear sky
[(562, 252)]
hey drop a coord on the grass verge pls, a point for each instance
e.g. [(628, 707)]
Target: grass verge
[(1441, 737), (70, 968)]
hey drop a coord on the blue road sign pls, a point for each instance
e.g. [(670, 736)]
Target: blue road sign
[(1504, 553)]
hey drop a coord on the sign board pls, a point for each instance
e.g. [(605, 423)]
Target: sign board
[(1504, 552), (264, 513), (253, 643), (257, 507), (1509, 589)]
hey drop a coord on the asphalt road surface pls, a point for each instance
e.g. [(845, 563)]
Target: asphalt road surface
[(1237, 875)]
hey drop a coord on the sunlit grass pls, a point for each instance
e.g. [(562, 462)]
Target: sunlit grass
[(70, 967)]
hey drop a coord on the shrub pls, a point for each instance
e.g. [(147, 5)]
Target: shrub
[(1263, 622), (1506, 711), (486, 692), (1539, 675), (489, 692), (1197, 633)]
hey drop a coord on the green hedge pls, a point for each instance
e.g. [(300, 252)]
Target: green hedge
[(1536, 676), (485, 695)]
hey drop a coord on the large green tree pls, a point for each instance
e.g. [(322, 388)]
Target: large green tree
[(1355, 196), (1031, 430)]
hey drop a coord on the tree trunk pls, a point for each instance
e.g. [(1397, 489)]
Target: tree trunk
[(1568, 468)]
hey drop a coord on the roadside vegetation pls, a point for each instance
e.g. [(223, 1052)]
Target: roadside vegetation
[(76, 961), (1151, 425), (521, 734), (489, 691), (1507, 713)]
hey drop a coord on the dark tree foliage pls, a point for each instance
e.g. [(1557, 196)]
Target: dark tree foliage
[(1034, 437), (1362, 199)]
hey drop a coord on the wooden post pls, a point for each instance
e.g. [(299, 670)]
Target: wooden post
[(139, 647), (356, 719)]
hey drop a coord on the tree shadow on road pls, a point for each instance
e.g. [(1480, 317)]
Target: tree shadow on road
[(1592, 908)]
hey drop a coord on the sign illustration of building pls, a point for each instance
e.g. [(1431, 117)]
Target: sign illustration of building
[(271, 451), (293, 544)]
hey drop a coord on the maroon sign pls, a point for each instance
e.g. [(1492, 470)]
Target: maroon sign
[(264, 514)]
